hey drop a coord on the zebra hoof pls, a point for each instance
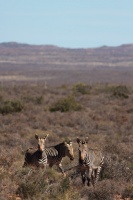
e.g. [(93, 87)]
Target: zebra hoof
[(88, 184), (64, 175)]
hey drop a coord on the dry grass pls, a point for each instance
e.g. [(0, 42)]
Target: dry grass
[(105, 118)]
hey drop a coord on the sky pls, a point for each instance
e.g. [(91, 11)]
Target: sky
[(67, 23)]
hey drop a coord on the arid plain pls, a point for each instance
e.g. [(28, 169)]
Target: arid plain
[(66, 93)]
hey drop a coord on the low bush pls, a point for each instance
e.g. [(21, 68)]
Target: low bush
[(46, 186), (120, 91), (39, 100), (10, 106), (36, 100), (105, 190), (115, 168), (65, 105), (33, 185), (81, 88)]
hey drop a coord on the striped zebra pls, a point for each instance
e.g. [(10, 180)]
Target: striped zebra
[(56, 153), (90, 162), (36, 157)]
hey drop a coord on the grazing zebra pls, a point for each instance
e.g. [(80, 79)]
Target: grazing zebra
[(56, 153), (90, 162), (36, 157)]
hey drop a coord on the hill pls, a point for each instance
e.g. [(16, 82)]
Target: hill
[(56, 65)]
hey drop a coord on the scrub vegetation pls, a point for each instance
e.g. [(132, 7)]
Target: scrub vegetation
[(101, 112)]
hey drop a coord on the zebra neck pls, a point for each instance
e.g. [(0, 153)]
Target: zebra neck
[(86, 160), (39, 153), (61, 149)]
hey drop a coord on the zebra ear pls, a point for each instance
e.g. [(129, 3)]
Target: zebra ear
[(78, 140), (46, 136), (36, 136), (86, 139), (69, 142)]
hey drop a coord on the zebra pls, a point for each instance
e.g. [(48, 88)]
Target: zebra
[(56, 153), (90, 162), (36, 157)]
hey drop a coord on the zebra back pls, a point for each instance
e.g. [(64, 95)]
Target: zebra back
[(95, 157), (57, 152)]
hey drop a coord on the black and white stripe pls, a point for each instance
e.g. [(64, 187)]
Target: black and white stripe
[(56, 153), (36, 157), (90, 161)]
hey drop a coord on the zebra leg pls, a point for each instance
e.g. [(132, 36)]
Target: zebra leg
[(93, 176), (50, 165), (25, 164), (83, 175), (29, 172), (61, 169), (97, 172), (88, 181), (89, 176)]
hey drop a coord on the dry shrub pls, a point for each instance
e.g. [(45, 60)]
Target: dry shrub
[(106, 121), (128, 192), (7, 188), (34, 185), (104, 190), (115, 168), (49, 185)]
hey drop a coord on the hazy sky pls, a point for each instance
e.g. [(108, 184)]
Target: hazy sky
[(67, 23)]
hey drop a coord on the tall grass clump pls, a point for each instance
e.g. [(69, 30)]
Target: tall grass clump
[(65, 104)]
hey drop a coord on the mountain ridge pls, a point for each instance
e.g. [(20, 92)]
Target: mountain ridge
[(66, 65), (13, 43)]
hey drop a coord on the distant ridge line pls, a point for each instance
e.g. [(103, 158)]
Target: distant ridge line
[(17, 44)]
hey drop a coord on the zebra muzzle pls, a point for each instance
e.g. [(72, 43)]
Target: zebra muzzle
[(72, 158)]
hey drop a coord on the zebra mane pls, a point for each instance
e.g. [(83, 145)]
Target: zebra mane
[(54, 150), (58, 145), (61, 149)]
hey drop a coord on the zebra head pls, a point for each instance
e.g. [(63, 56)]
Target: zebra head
[(69, 150), (83, 150), (41, 142)]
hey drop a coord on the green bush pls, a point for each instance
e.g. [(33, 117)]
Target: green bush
[(81, 88), (36, 100), (65, 185), (39, 100), (120, 91), (10, 106), (65, 105)]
